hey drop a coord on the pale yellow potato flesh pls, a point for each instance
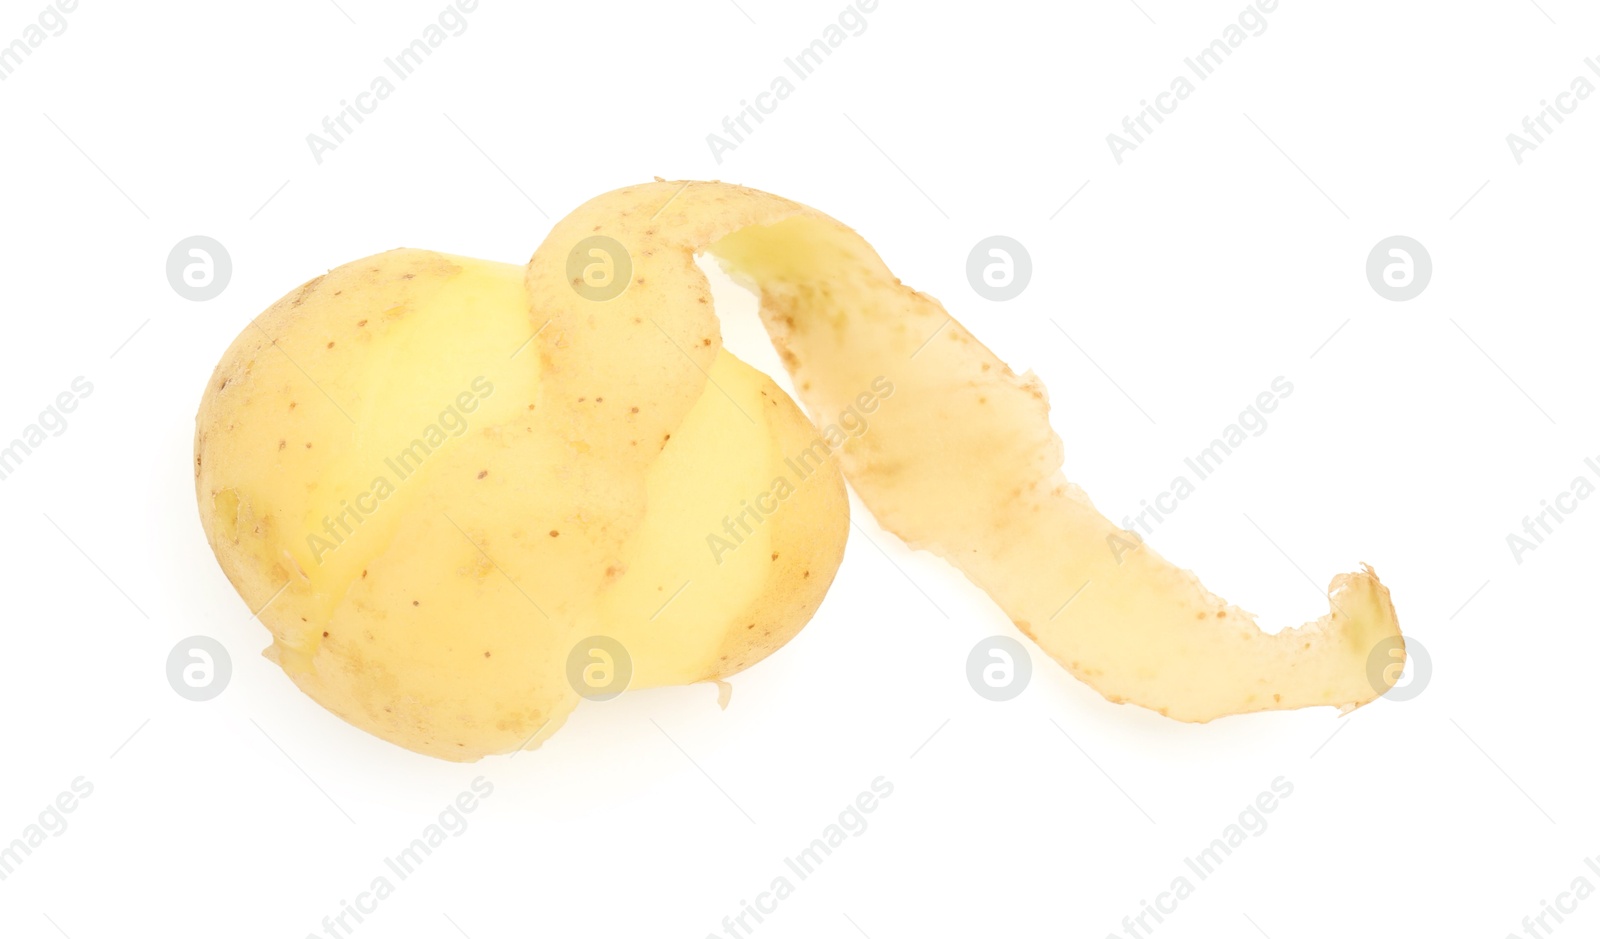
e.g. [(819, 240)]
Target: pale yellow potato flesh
[(587, 468)]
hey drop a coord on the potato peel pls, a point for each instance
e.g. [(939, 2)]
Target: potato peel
[(962, 462)]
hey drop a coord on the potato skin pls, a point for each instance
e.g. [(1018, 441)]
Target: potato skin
[(254, 378)]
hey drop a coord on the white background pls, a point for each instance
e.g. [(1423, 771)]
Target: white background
[(1222, 253)]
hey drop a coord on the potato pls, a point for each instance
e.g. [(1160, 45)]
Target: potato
[(465, 494), (381, 465)]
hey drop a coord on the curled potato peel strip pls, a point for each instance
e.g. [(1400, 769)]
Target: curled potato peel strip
[(960, 460), (1135, 627)]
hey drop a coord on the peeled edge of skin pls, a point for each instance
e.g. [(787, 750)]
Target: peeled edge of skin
[(960, 460)]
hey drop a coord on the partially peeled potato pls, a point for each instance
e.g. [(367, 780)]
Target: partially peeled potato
[(464, 495)]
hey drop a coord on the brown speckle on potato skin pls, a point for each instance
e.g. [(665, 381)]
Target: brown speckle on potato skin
[(305, 289)]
